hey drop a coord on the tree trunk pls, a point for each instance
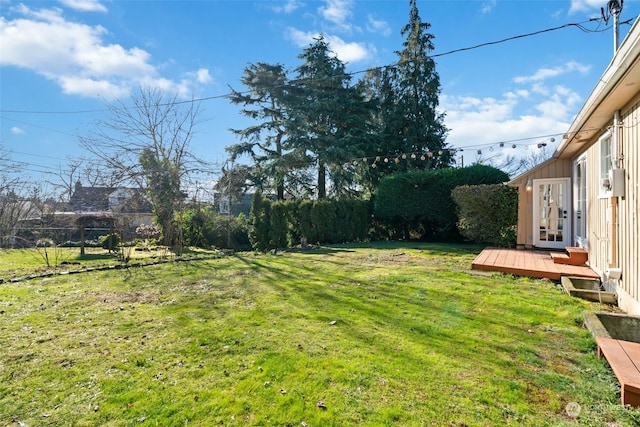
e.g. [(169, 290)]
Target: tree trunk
[(81, 239), (322, 181)]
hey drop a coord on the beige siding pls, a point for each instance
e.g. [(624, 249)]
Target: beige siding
[(629, 206), (613, 223), (598, 236), (555, 168)]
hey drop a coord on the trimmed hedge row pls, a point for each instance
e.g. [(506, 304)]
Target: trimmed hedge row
[(487, 213), (288, 223), (418, 204)]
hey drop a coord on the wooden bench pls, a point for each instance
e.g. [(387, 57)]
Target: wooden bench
[(624, 359)]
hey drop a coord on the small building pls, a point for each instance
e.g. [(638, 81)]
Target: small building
[(588, 194), (103, 209)]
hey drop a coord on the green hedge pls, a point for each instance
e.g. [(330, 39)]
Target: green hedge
[(205, 228), (487, 213), (285, 223), (418, 204)]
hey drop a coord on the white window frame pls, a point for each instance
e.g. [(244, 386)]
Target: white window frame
[(605, 162), (580, 211)]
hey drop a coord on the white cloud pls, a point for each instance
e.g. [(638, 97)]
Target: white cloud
[(301, 38), (348, 52), (488, 6), (520, 115), (547, 73), (337, 12), (203, 76), (17, 131), (379, 26), (586, 5), (76, 57), (85, 5), (94, 88), (289, 6)]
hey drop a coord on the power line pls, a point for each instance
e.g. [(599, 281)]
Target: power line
[(521, 36)]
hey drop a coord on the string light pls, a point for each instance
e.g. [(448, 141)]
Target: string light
[(451, 152)]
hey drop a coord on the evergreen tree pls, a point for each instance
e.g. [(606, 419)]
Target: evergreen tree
[(266, 141), (327, 118), (259, 219), (411, 131)]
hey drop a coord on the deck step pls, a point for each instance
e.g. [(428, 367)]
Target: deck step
[(573, 256), (624, 359)]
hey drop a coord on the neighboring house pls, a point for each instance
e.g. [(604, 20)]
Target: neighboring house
[(240, 205), (124, 208), (588, 193)]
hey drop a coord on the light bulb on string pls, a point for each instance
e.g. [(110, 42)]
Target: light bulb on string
[(501, 144), (386, 160), (396, 160), (513, 146), (423, 158), (374, 165), (404, 157), (430, 154), (413, 155), (440, 152)]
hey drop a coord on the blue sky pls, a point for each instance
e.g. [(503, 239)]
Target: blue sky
[(60, 61)]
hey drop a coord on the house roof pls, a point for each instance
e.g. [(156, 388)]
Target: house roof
[(101, 200), (618, 85)]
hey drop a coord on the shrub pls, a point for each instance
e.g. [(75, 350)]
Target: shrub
[(259, 222), (487, 213), (419, 204), (278, 224), (205, 228), (109, 241)]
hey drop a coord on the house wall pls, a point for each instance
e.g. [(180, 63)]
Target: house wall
[(555, 168), (628, 223), (613, 223)]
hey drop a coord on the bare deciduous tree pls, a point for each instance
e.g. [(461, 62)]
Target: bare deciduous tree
[(147, 143)]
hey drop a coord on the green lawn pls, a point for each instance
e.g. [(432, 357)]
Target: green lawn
[(376, 335)]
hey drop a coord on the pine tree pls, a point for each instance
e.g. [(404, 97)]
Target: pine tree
[(411, 129), (266, 141), (327, 117)]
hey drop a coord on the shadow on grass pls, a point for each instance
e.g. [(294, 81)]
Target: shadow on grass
[(96, 257), (434, 247)]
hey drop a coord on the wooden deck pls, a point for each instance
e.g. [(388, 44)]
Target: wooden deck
[(528, 263), (624, 359)]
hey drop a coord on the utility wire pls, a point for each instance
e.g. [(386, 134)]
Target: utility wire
[(521, 36)]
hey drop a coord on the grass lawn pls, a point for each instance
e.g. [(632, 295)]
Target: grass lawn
[(376, 335), (20, 263)]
